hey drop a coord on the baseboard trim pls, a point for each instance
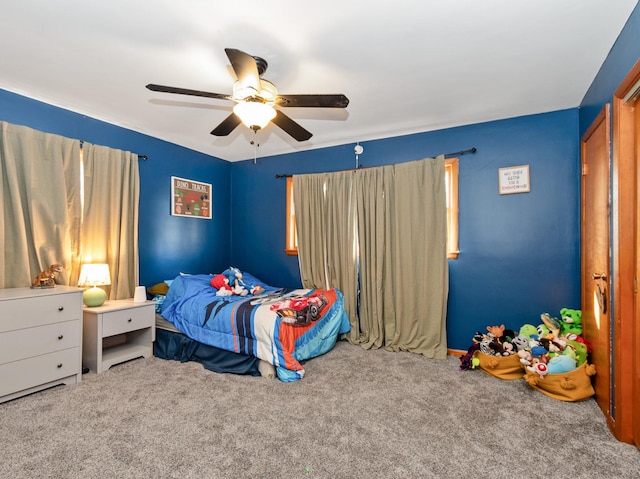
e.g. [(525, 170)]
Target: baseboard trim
[(456, 352)]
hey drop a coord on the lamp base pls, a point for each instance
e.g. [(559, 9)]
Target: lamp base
[(93, 297)]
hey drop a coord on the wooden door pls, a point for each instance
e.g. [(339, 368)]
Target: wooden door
[(595, 254), (626, 224), (634, 327)]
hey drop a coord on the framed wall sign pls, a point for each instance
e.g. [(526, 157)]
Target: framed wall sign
[(513, 179), (190, 198)]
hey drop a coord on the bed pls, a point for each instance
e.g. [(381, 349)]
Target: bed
[(281, 326)]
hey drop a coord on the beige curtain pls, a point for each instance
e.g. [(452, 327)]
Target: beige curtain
[(403, 261), (368, 329), (325, 221), (41, 204), (396, 249), (110, 215), (43, 217), (310, 207)]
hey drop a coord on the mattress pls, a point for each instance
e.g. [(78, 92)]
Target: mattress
[(162, 323)]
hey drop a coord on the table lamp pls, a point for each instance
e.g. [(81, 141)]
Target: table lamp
[(94, 275)]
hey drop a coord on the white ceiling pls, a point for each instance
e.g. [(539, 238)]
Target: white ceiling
[(408, 66)]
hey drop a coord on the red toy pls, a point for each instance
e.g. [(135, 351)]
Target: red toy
[(221, 283)]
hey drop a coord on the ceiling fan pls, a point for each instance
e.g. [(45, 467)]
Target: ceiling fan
[(256, 99)]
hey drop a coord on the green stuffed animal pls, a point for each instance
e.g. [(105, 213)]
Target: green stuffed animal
[(571, 321), (577, 350), (543, 330)]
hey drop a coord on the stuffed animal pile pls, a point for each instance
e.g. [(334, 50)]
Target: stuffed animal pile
[(554, 346)]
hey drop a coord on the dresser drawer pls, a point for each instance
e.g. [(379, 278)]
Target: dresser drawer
[(123, 321), (37, 311), (24, 343), (27, 373)]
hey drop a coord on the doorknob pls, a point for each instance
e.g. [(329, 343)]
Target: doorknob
[(602, 276)]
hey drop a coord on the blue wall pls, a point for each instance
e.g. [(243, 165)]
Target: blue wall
[(520, 254), (168, 244), (623, 56)]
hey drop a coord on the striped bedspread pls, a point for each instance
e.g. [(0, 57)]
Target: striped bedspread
[(282, 326)]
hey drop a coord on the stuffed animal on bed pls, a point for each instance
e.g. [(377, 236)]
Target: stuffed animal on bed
[(234, 276), (221, 283), (239, 287)]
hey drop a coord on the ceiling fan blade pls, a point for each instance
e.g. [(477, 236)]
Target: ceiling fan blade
[(185, 91), (245, 67), (321, 101), (291, 127), (227, 125)]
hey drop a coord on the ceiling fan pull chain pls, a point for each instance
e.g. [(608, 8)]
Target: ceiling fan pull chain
[(255, 146)]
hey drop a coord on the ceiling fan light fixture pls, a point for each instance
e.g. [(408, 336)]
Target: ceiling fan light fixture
[(253, 114), (268, 91), (256, 99), (242, 92)]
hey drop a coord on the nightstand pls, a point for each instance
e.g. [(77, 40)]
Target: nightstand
[(117, 331)]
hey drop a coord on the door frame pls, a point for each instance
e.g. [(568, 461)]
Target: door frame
[(626, 337)]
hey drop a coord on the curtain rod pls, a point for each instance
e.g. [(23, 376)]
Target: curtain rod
[(140, 157), (446, 155)]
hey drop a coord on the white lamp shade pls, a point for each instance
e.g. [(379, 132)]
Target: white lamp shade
[(94, 275), (254, 114)]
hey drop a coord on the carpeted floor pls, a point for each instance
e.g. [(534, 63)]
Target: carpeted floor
[(356, 414)]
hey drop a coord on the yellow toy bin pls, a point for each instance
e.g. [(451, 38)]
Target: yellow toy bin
[(501, 367), (572, 386)]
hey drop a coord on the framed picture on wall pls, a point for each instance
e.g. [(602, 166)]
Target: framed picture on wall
[(513, 179), (190, 198)]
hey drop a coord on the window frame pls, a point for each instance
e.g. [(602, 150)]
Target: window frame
[(451, 181), (451, 184), (291, 235)]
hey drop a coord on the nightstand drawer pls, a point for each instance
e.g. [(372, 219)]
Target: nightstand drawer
[(36, 311), (123, 321), (27, 373), (28, 342)]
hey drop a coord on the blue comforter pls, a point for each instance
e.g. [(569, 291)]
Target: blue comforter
[(281, 326)]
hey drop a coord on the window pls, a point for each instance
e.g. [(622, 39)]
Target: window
[(451, 185), (291, 247)]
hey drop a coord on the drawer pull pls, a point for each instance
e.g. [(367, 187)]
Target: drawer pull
[(61, 336), (60, 308), (59, 365), (129, 320)]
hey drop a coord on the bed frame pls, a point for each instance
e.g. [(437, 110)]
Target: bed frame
[(173, 345)]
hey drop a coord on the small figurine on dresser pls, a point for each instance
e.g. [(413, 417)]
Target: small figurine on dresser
[(46, 278)]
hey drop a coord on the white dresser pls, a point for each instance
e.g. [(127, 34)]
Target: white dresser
[(40, 339)]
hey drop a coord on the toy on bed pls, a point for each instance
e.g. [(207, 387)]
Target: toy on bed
[(46, 278), (221, 283), (236, 280), (231, 282)]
